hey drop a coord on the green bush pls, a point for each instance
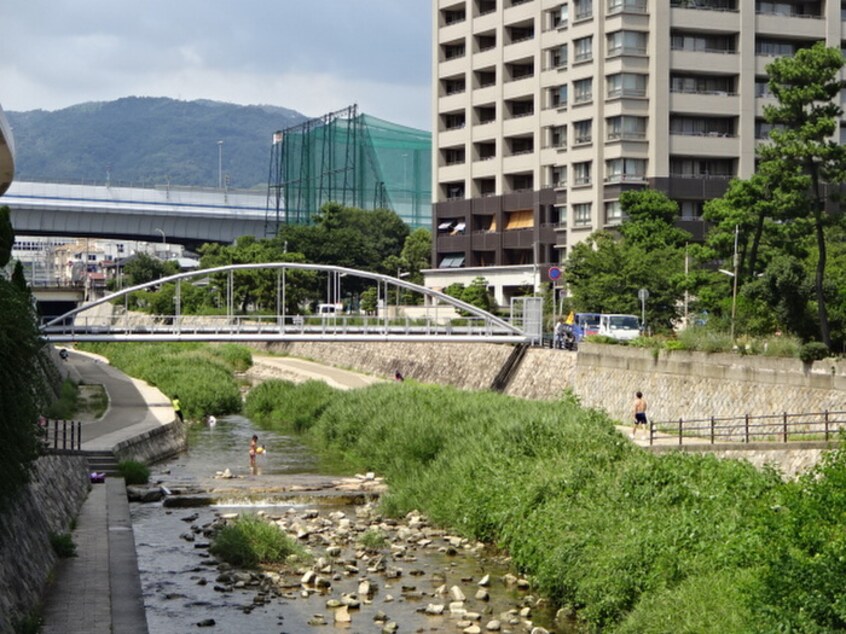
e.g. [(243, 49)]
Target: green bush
[(813, 351), (63, 545), (134, 472), (29, 624), (202, 375), (288, 406), (65, 407), (373, 540), (250, 541), (705, 339)]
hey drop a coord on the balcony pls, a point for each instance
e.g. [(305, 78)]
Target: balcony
[(711, 102), (811, 27), (716, 61), (711, 144)]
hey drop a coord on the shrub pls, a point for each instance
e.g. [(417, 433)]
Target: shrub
[(63, 545), (250, 540), (705, 339), (783, 346), (29, 624), (65, 407), (134, 472), (373, 540), (286, 406), (813, 351)]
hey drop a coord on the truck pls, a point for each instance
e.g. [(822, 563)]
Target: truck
[(621, 327)]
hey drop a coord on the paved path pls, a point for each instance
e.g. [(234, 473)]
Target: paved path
[(99, 590)]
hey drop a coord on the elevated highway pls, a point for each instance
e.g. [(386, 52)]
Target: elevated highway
[(186, 216)]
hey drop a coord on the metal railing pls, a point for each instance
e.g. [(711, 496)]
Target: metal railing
[(781, 428), (60, 435)]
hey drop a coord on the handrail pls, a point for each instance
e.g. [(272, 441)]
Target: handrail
[(746, 429), (65, 436)]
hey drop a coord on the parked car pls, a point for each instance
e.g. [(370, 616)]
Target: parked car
[(622, 327)]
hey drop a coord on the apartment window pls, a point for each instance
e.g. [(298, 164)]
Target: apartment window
[(702, 126), (520, 70), (625, 169), (558, 57), (625, 127), (558, 136), (454, 120), (680, 41), (452, 261), (454, 16), (582, 132), (521, 182), (521, 145), (581, 214), (582, 173), (694, 167), (485, 114), (485, 41), (691, 209), (454, 50), (486, 150), (613, 212), (521, 32), (582, 9), (454, 85), (778, 48), (703, 84), (583, 90), (454, 190), (803, 9), (626, 43), (762, 88), (521, 108), (454, 156), (583, 49), (558, 176), (626, 6), (487, 187), (763, 129), (626, 85), (486, 6), (559, 16), (558, 96), (719, 5), (486, 77)]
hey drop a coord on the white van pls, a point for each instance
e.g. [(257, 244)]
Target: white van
[(622, 327), (329, 310)]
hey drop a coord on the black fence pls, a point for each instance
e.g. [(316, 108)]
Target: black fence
[(60, 435), (814, 426)]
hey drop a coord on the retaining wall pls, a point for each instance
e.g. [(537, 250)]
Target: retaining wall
[(154, 445), (48, 504)]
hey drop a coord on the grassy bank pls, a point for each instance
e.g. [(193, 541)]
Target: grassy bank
[(632, 541), (201, 374)]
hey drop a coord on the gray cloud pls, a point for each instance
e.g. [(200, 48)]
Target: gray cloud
[(312, 56)]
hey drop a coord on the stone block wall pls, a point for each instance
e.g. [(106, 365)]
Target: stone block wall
[(543, 375), (54, 496), (681, 384), (154, 445), (463, 365)]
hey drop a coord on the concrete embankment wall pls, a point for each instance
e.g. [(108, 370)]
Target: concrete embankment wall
[(155, 444), (48, 504)]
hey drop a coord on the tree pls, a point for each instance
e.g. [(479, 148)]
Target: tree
[(142, 268), (7, 236), (605, 272), (807, 87)]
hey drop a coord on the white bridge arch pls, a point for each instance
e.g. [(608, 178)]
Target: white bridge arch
[(480, 326)]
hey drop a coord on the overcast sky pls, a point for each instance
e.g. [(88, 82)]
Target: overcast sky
[(314, 56)]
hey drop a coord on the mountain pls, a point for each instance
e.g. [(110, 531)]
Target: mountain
[(149, 141)]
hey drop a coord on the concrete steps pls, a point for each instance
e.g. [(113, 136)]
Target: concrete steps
[(102, 462)]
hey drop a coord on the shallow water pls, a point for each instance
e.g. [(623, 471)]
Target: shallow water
[(178, 576)]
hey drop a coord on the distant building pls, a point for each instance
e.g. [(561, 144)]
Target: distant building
[(546, 111)]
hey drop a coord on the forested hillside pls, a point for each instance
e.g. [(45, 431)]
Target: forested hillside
[(149, 141)]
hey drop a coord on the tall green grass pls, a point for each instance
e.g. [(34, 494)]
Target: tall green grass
[(635, 542), (201, 374), (249, 541)]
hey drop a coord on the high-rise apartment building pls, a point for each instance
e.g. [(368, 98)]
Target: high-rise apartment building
[(546, 111)]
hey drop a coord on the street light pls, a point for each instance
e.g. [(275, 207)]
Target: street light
[(220, 164), (164, 240), (400, 276)]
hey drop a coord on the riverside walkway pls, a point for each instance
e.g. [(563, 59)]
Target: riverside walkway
[(99, 590)]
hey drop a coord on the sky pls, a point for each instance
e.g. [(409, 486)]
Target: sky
[(313, 56)]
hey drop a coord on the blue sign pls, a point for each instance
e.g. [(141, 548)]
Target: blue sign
[(554, 273)]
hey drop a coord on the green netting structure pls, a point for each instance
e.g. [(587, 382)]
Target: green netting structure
[(352, 159)]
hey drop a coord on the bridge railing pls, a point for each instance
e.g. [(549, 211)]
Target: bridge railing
[(784, 427), (122, 325)]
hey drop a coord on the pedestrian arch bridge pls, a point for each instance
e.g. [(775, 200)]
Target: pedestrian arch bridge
[(437, 321)]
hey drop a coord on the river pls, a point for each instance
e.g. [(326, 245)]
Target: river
[(180, 579)]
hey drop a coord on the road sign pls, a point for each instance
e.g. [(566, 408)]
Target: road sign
[(554, 273), (643, 294)]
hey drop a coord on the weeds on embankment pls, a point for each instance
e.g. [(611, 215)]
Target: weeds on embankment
[(201, 374), (634, 542)]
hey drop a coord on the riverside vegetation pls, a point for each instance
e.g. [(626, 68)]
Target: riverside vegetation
[(628, 540)]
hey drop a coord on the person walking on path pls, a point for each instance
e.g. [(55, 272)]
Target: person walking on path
[(178, 408), (640, 406)]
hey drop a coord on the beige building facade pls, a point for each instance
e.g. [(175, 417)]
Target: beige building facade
[(546, 111)]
